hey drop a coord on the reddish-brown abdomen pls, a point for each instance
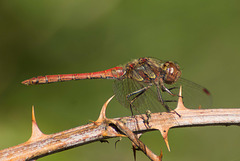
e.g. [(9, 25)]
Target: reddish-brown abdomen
[(112, 73)]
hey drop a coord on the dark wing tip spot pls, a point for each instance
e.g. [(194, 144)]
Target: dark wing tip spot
[(206, 91)]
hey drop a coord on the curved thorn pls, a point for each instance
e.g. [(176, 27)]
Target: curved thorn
[(102, 115), (36, 132)]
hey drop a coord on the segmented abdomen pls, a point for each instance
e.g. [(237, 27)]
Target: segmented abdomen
[(112, 73)]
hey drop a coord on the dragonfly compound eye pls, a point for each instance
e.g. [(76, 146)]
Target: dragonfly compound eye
[(172, 72)]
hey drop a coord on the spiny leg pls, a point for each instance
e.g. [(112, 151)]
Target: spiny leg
[(137, 93), (163, 102), (168, 90), (161, 85), (160, 97), (170, 101)]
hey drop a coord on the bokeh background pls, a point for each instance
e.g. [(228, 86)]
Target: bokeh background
[(54, 37)]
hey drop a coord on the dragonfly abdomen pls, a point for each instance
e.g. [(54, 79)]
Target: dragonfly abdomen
[(112, 73)]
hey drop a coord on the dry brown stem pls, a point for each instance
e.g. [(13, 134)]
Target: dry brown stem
[(40, 145)]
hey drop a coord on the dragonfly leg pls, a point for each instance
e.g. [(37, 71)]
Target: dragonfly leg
[(170, 101), (160, 99), (163, 87), (168, 90), (137, 93), (163, 102)]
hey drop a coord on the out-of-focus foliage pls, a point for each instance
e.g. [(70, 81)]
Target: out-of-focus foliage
[(53, 37)]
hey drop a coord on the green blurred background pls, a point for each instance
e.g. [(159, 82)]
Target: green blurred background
[(54, 37)]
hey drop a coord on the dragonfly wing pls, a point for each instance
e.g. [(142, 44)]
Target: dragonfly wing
[(194, 95), (143, 100)]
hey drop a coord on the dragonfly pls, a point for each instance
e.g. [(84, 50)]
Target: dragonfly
[(144, 84)]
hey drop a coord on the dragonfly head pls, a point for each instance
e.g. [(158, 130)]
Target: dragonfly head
[(172, 72)]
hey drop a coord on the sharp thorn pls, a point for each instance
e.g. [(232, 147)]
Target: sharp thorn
[(36, 132), (180, 91), (33, 115), (164, 133), (134, 148), (180, 105), (199, 107), (166, 141), (102, 115), (161, 155)]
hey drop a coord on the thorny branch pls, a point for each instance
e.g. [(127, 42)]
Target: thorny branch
[(40, 144)]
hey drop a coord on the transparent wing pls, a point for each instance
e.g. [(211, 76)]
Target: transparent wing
[(148, 100), (194, 95)]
